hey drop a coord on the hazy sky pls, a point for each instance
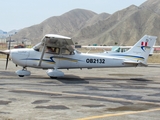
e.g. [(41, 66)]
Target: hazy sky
[(17, 14)]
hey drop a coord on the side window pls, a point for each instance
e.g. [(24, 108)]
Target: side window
[(65, 52), (52, 50), (56, 50)]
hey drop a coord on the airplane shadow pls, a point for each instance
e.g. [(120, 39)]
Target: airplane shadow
[(140, 79), (69, 78), (72, 79)]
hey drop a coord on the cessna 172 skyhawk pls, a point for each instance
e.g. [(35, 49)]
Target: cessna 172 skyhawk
[(56, 52)]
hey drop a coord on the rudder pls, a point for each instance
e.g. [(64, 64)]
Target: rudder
[(143, 47)]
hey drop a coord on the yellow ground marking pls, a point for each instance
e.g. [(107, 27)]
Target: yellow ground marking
[(119, 114)]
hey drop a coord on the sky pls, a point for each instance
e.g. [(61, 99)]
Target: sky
[(18, 14)]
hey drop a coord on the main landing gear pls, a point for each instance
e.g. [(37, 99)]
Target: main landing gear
[(23, 72), (54, 73)]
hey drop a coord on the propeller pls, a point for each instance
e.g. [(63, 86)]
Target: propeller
[(9, 46), (7, 61), (6, 52)]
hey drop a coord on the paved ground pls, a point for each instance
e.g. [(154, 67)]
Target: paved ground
[(96, 94)]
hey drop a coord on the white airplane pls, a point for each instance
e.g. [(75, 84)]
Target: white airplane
[(56, 52)]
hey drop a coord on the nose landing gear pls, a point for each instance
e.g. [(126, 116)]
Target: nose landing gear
[(23, 72)]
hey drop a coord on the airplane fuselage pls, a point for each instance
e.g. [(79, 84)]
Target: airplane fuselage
[(30, 58)]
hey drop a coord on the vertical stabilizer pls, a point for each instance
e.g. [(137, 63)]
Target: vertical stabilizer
[(142, 48)]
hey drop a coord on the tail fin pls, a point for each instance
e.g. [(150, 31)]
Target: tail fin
[(142, 48)]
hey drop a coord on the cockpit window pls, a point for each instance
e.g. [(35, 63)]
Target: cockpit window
[(52, 50), (65, 51), (78, 52), (38, 47)]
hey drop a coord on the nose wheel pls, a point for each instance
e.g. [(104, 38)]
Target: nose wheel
[(23, 72), (21, 75)]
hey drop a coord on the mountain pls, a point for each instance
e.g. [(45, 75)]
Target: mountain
[(2, 32), (67, 24), (152, 5), (124, 27), (101, 32), (86, 27)]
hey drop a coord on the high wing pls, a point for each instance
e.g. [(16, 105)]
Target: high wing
[(52, 40)]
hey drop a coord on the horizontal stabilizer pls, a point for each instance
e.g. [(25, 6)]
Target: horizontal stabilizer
[(136, 63)]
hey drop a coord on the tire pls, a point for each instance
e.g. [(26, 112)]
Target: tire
[(53, 77), (21, 75)]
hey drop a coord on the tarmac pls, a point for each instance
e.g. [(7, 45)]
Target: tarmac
[(87, 94)]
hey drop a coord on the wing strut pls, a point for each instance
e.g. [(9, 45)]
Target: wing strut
[(40, 61)]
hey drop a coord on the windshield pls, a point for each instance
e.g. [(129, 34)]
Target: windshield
[(37, 47), (78, 52)]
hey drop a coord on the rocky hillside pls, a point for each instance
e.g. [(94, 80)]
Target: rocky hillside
[(86, 27), (67, 24), (125, 26)]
